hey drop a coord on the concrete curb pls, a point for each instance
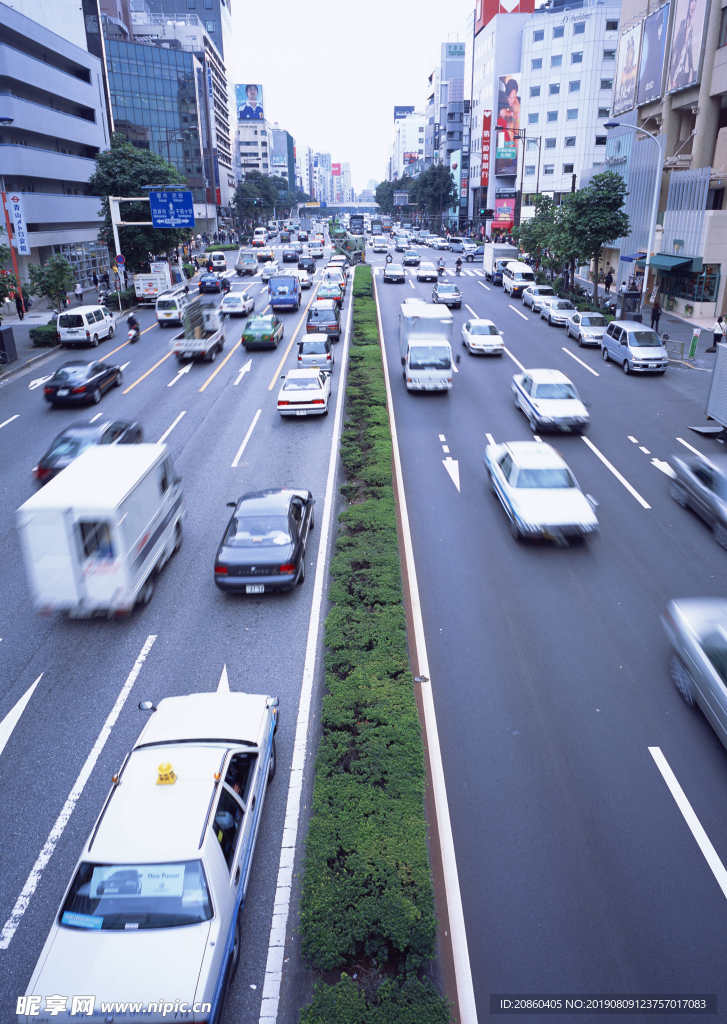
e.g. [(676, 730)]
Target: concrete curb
[(6, 375)]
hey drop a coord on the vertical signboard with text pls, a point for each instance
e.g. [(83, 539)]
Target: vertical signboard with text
[(14, 206), (486, 137)]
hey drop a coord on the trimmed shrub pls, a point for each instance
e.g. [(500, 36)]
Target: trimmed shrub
[(128, 299), (45, 335), (367, 903), (227, 247), (189, 269)]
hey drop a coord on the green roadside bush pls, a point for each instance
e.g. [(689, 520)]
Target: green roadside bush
[(128, 299), (215, 247), (367, 904), (189, 269), (45, 335)]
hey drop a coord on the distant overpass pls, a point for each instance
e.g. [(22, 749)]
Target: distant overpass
[(333, 208)]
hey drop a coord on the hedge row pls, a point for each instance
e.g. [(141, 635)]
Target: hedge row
[(215, 247), (128, 299), (44, 335), (367, 906)]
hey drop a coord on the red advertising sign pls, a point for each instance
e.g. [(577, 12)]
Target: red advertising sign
[(486, 10), (486, 136), (504, 214), (336, 170)]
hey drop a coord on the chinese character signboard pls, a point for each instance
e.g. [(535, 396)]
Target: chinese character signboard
[(486, 136), (172, 209), (14, 206)]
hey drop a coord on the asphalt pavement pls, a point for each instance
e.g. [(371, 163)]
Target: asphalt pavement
[(578, 871), (81, 666)]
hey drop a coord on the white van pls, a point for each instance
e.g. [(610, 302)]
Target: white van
[(85, 325), (171, 304), (316, 248), (259, 236), (516, 277), (95, 536), (218, 260)]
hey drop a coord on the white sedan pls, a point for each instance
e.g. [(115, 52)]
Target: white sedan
[(237, 304), (426, 271), (380, 245), (305, 393), (535, 293), (271, 269), (538, 492), (152, 912), (549, 400), (482, 336), (304, 278), (556, 311)]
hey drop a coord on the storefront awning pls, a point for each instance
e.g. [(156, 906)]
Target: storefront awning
[(663, 262), (634, 256)]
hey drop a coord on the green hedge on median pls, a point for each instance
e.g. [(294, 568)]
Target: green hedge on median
[(44, 335), (218, 247), (367, 903)]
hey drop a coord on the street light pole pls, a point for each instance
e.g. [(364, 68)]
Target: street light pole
[(654, 202)]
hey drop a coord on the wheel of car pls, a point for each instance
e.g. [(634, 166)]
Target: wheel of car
[(112, 330), (682, 679), (550, 320), (580, 341), (604, 353), (273, 763), (679, 494), (626, 367), (719, 532), (515, 530), (147, 590), (212, 356), (94, 341), (301, 574), (470, 258), (96, 397), (118, 379), (235, 956)]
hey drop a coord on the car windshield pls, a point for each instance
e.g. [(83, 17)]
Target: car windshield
[(524, 276), (643, 339), (715, 647), (302, 384), (313, 348), (70, 320), (131, 897), (257, 531), (70, 445), (547, 479), (447, 289), (593, 321), (544, 291), (430, 357), (483, 329), (556, 391), (70, 373), (563, 305), (166, 303)]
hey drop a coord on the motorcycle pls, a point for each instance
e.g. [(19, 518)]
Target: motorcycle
[(134, 332), (458, 270), (389, 258), (440, 270)]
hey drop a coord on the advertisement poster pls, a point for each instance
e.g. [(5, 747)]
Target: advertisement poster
[(686, 44), (486, 133), (409, 158), (627, 66), (336, 170), (455, 167), (651, 66), (249, 102), (508, 122), (504, 214)]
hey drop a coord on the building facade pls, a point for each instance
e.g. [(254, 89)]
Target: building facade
[(407, 149), (283, 155)]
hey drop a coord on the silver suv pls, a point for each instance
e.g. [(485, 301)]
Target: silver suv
[(634, 347)]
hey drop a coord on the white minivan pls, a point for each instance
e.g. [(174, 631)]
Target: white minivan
[(219, 262), (85, 325), (635, 347), (516, 277), (171, 304)]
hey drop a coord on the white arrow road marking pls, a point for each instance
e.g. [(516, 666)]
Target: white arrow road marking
[(248, 435), (584, 365), (168, 431), (10, 420), (664, 467), (517, 311), (223, 686), (245, 369), (23, 900), (185, 369), (452, 467), (37, 383), (13, 716)]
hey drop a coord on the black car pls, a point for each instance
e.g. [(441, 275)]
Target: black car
[(305, 262), (290, 254), (210, 283), (324, 317), (79, 436), (263, 547), (411, 258), (447, 294), (284, 236), (302, 236), (78, 382)]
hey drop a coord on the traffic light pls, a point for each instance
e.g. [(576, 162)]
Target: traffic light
[(487, 214)]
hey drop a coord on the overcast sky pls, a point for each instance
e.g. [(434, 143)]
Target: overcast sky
[(333, 70)]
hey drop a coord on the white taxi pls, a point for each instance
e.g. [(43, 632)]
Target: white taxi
[(305, 393), (151, 916), (549, 400), (238, 304), (479, 335)]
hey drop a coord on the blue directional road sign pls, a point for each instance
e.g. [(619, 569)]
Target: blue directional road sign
[(172, 209)]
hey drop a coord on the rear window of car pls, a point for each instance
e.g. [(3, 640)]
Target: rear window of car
[(321, 316), (70, 445), (70, 373), (262, 326), (314, 348), (302, 384), (166, 303), (70, 320)]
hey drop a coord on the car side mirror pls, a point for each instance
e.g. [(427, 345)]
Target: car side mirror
[(232, 504), (146, 705)]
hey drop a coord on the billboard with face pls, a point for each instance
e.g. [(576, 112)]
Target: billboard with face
[(686, 44), (508, 121), (249, 102), (627, 66), (651, 64)]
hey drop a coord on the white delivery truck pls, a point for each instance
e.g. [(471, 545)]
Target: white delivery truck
[(496, 255), (425, 346), (204, 332), (148, 287), (96, 535)]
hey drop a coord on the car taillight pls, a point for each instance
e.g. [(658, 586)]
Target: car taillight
[(328, 358), (318, 401), (58, 335), (282, 401), (78, 391), (288, 567), (220, 570), (47, 391)]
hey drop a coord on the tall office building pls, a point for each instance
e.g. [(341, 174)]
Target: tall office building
[(407, 148), (283, 155)]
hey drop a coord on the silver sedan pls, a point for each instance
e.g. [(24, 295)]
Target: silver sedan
[(586, 328), (534, 293), (701, 484), (556, 311)]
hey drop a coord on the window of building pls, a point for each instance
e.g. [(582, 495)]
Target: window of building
[(722, 41), (609, 55), (600, 140), (208, 5), (604, 112), (532, 118), (537, 63), (556, 60), (550, 143), (579, 29), (558, 31), (576, 57), (568, 168), (529, 170), (554, 88), (191, 4), (607, 83), (531, 144), (572, 115), (538, 36), (574, 86), (534, 90), (612, 26), (210, 26), (549, 169), (552, 115), (570, 141)]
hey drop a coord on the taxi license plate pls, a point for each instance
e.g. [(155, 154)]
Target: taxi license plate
[(62, 392), (255, 588), (301, 412)]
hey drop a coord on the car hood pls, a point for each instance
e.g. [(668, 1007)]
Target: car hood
[(552, 507), (560, 408), (77, 960), (274, 555)]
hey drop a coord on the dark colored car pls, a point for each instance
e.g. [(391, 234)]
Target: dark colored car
[(78, 382), (302, 236), (447, 294), (411, 258), (79, 436), (305, 262), (324, 318), (284, 236), (263, 331), (290, 254), (210, 283), (263, 547), (701, 484)]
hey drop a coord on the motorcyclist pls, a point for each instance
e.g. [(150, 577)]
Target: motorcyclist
[(458, 265), (389, 258), (440, 265), (134, 330)]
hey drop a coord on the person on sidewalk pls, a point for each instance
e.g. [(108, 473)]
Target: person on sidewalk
[(655, 315), (19, 305), (718, 331), (95, 280), (78, 292), (608, 281)]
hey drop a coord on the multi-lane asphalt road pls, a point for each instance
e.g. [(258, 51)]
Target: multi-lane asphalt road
[(82, 668), (578, 871)]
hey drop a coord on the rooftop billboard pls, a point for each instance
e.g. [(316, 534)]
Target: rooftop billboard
[(249, 102)]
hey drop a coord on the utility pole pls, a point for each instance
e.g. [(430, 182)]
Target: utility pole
[(573, 261)]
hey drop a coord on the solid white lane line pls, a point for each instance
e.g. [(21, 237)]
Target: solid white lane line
[(584, 365), (687, 445), (223, 686), (281, 906), (454, 367), (23, 900), (490, 438), (243, 446), (517, 311), (695, 827), (537, 438), (13, 716), (168, 431), (96, 417), (516, 361), (634, 441), (17, 414), (615, 472), (644, 450), (460, 952), (471, 311)]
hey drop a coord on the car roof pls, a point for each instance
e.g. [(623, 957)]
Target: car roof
[(534, 455), (311, 372), (81, 427), (481, 320), (323, 304), (631, 325), (261, 316), (73, 362), (548, 377)]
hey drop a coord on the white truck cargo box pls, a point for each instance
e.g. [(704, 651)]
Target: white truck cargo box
[(425, 346)]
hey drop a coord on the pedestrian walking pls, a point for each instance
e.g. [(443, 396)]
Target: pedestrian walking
[(719, 332), (655, 315), (19, 305), (105, 278), (608, 281), (79, 293), (95, 280)]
